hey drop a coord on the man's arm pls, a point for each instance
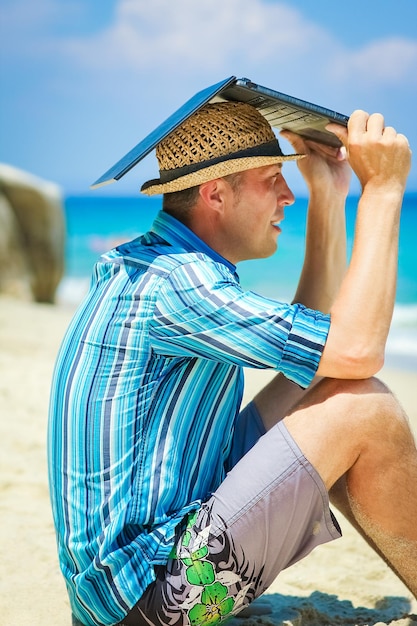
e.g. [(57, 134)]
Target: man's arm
[(362, 310), (327, 175), (361, 307), (361, 300)]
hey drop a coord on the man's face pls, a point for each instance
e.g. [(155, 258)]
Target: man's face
[(257, 209)]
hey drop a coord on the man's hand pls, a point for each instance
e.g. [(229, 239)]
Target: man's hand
[(325, 169), (362, 310), (379, 156)]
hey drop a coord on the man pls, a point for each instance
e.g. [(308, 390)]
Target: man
[(171, 506)]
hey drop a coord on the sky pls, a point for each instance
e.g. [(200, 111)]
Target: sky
[(82, 82)]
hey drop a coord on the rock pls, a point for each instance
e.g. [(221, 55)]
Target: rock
[(32, 235)]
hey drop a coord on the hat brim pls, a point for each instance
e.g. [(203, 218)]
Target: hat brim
[(224, 168)]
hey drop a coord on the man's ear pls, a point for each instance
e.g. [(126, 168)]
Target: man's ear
[(214, 194)]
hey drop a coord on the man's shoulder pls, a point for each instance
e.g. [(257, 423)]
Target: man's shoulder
[(155, 257), (198, 264)]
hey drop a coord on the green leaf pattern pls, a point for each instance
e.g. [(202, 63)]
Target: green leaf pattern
[(213, 602)]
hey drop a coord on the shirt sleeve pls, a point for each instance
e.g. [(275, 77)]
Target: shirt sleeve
[(203, 312)]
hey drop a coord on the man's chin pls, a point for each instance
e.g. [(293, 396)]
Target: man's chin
[(271, 251)]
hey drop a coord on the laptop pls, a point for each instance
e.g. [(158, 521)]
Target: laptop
[(281, 111)]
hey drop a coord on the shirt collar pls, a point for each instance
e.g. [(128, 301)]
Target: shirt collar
[(176, 233)]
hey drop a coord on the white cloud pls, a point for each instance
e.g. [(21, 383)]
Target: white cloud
[(210, 37), (269, 42), (186, 34), (386, 62)]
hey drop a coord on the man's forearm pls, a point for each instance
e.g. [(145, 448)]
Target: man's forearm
[(325, 253), (362, 311), (367, 297)]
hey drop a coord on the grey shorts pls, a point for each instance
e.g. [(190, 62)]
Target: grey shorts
[(271, 510)]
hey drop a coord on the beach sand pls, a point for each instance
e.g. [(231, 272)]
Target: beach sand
[(340, 583)]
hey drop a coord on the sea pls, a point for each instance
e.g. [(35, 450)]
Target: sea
[(97, 223)]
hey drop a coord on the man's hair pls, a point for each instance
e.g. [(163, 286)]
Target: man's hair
[(235, 181), (179, 204)]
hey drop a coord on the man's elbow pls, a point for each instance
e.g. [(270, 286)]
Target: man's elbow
[(355, 362), (365, 363)]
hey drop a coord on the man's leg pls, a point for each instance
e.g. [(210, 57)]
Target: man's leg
[(270, 511), (340, 498), (221, 564), (358, 431)]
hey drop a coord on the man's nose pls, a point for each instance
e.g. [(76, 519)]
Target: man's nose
[(286, 196)]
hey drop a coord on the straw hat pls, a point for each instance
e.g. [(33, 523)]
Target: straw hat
[(219, 139)]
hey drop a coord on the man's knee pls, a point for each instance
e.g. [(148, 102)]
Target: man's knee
[(377, 423), (365, 397), (330, 387), (367, 404), (340, 420)]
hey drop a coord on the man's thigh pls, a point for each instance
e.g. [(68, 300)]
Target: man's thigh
[(271, 510), (336, 419)]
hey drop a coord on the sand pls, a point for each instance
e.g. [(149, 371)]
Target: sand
[(341, 583)]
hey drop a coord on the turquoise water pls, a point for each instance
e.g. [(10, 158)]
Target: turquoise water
[(95, 224)]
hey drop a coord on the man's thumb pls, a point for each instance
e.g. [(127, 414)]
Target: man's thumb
[(338, 130)]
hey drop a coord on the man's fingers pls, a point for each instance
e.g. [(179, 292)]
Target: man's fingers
[(306, 146), (295, 140), (342, 154), (404, 139), (375, 124), (375, 151), (358, 121), (338, 130)]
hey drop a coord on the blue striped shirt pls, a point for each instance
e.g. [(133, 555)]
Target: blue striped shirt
[(147, 385)]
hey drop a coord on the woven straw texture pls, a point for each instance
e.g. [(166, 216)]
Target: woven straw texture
[(215, 130), (216, 171)]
